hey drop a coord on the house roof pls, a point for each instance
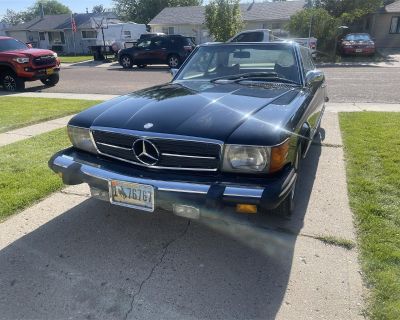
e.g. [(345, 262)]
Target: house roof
[(393, 7), (60, 22), (250, 12)]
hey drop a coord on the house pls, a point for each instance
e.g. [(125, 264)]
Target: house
[(384, 26), (55, 31), (190, 21), (3, 27)]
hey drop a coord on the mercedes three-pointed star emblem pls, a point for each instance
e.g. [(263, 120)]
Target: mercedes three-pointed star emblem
[(146, 152)]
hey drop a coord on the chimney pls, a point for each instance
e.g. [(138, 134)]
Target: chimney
[(41, 10)]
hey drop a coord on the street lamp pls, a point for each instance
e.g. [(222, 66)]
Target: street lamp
[(341, 28)]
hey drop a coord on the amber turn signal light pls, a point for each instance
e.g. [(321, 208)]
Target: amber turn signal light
[(279, 155), (246, 208)]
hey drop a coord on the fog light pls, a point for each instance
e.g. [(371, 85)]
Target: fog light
[(246, 208), (186, 211)]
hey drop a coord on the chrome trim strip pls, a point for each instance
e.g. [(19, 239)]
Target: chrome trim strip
[(156, 135), (114, 146), (186, 156), (159, 185)]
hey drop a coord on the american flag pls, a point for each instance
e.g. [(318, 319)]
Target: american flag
[(73, 24)]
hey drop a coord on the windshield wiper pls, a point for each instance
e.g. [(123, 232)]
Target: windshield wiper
[(244, 76), (273, 79)]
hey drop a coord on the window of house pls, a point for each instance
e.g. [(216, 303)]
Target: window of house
[(168, 30), (127, 34), (276, 25), (395, 25), (56, 37), (89, 34), (41, 36)]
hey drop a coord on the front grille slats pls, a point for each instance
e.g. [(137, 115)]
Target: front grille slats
[(44, 60), (173, 153)]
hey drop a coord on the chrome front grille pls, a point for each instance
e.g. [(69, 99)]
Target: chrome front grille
[(173, 152)]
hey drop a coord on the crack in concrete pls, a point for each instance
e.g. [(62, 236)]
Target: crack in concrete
[(164, 253), (75, 194)]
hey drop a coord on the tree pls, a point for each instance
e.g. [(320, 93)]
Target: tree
[(11, 17), (49, 7), (223, 19), (324, 26), (98, 9), (142, 11), (353, 9)]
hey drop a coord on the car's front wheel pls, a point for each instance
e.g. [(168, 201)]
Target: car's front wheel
[(174, 61), (11, 82), (126, 62), (286, 208), (51, 80)]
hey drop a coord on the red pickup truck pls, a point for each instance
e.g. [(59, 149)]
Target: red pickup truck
[(20, 63)]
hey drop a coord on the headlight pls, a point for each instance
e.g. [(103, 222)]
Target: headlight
[(21, 60), (248, 159), (81, 139), (55, 54)]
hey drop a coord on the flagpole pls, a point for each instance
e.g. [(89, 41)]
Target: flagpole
[(73, 29)]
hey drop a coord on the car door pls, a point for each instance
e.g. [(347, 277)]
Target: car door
[(317, 91), (142, 51), (158, 50)]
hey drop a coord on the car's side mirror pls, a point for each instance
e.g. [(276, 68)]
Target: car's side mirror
[(313, 77), (174, 71)]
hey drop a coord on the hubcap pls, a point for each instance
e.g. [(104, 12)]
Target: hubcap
[(126, 62), (9, 83), (173, 62)]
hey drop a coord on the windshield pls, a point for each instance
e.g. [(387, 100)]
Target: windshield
[(225, 60), (357, 37), (11, 44)]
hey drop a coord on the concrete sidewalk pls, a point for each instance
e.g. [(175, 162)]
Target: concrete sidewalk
[(81, 258)]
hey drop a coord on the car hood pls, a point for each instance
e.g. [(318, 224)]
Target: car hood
[(227, 112), (32, 53)]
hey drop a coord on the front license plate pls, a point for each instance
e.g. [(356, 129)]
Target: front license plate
[(49, 71), (133, 195), (359, 50)]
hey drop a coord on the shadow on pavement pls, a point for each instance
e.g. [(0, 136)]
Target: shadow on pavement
[(96, 261)]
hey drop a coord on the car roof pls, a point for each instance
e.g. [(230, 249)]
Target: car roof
[(276, 43)]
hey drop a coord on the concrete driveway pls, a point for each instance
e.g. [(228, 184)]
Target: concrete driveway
[(72, 257)]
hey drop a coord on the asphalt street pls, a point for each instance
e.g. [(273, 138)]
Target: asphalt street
[(345, 84)]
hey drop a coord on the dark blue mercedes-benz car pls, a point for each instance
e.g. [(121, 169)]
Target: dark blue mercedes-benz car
[(227, 132)]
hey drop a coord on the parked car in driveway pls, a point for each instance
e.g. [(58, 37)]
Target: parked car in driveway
[(228, 131), (357, 44), (171, 50), (20, 63)]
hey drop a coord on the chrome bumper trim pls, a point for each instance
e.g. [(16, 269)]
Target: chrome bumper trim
[(97, 172)]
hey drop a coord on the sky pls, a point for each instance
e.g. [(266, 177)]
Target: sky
[(78, 6)]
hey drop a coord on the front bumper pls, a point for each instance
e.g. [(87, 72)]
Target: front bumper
[(31, 74), (77, 167)]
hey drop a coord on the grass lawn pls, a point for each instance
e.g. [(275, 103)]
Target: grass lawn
[(372, 148), (75, 59), (16, 112), (24, 174)]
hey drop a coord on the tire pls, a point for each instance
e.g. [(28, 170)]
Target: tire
[(52, 80), (126, 62), (11, 82), (286, 208), (141, 66), (174, 61)]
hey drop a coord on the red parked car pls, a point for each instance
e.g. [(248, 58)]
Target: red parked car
[(357, 44), (20, 63)]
